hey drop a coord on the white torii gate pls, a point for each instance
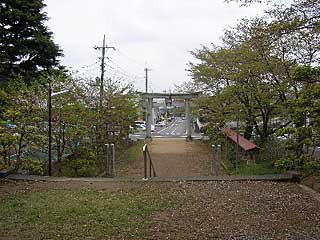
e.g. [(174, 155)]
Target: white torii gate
[(149, 102)]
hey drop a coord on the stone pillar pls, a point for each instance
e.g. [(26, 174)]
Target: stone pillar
[(149, 118), (188, 119)]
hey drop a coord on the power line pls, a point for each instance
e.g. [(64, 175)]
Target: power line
[(131, 59), (122, 69), (103, 48)]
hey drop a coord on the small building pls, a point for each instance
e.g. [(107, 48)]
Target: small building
[(247, 148)]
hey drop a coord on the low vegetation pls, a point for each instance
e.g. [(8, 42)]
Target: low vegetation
[(77, 214)]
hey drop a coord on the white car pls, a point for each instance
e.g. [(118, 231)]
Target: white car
[(160, 124), (141, 126)]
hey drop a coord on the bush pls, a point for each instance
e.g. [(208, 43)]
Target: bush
[(2, 166), (33, 167), (291, 163), (82, 162), (284, 163)]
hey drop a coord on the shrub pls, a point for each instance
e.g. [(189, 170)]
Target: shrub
[(34, 167), (82, 162)]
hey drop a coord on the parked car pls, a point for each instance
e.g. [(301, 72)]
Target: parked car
[(140, 125), (160, 124)]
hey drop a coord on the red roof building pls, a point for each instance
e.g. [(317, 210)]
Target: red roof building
[(244, 143)]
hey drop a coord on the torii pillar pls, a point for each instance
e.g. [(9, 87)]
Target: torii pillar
[(149, 117), (188, 119)]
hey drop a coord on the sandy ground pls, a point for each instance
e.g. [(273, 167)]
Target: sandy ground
[(178, 158), (173, 158)]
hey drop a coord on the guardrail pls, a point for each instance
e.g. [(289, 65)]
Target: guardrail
[(146, 156), (110, 160)]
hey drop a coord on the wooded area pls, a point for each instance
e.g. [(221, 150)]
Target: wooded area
[(31, 77), (266, 75)]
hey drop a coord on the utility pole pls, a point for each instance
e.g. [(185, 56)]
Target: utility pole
[(49, 127), (103, 48), (99, 136), (50, 95), (146, 70)]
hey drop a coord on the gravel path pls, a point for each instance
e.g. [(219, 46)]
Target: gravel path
[(179, 158), (238, 210), (173, 157)]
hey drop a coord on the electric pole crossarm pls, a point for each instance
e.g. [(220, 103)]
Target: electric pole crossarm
[(103, 48)]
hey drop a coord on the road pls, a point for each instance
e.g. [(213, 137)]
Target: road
[(175, 129)]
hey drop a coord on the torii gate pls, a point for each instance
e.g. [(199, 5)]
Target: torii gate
[(149, 102)]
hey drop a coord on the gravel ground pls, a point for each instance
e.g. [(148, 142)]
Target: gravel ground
[(239, 210), (215, 210)]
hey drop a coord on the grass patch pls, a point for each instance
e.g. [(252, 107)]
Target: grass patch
[(82, 214), (260, 168), (129, 157), (133, 152)]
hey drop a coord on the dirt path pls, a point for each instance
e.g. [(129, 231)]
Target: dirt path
[(178, 158), (172, 158)]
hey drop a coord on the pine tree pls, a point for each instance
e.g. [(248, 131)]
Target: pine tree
[(26, 45)]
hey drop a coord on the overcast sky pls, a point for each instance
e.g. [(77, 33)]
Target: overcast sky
[(155, 33)]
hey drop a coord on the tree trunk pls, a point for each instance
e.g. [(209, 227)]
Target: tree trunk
[(248, 131)]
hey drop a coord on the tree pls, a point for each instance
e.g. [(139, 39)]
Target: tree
[(268, 67), (304, 134), (256, 62), (25, 114), (26, 45)]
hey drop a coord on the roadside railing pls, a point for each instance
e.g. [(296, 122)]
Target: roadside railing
[(150, 166)]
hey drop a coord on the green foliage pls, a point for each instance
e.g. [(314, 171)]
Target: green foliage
[(260, 168), (76, 122), (128, 157), (2, 165), (291, 162), (313, 166), (33, 167), (24, 115), (26, 44), (82, 162), (267, 68), (285, 163)]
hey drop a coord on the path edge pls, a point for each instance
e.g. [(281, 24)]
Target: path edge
[(274, 178)]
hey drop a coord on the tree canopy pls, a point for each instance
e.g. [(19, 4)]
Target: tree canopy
[(268, 69), (26, 45)]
